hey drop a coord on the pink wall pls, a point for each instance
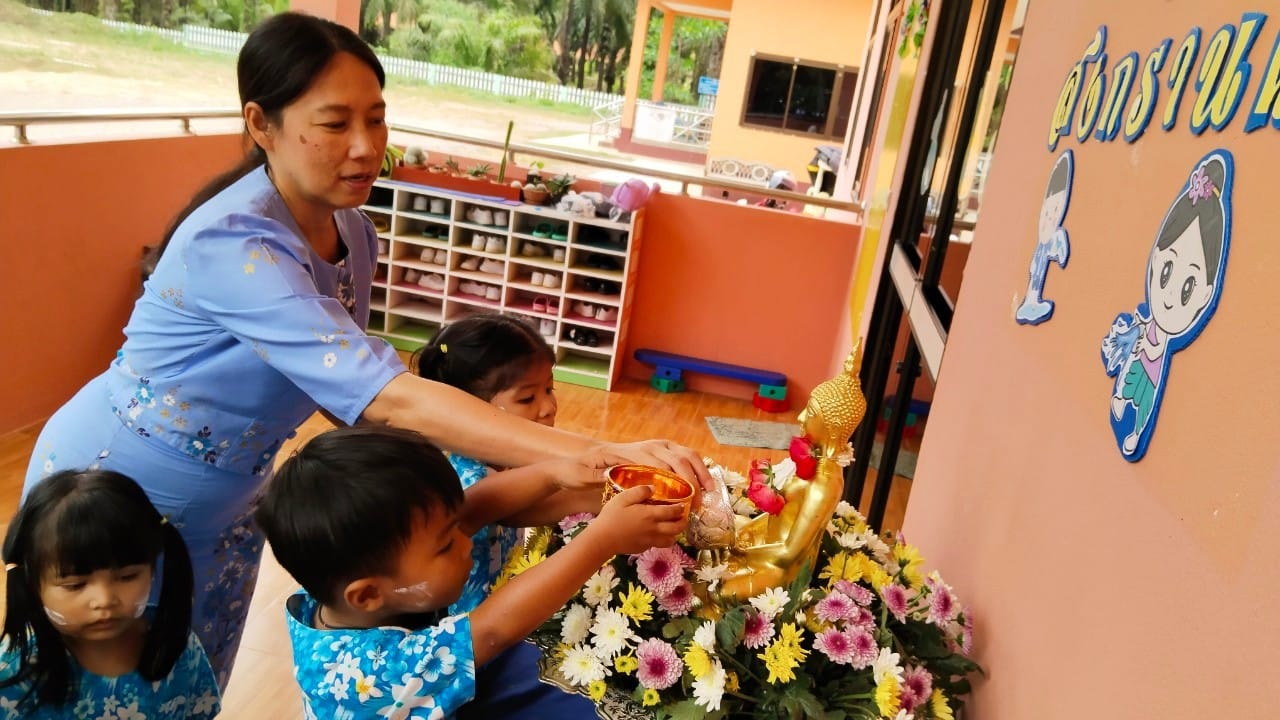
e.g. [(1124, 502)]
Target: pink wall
[(741, 285), (1103, 588), (75, 218)]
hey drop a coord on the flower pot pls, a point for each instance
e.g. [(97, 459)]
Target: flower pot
[(534, 196)]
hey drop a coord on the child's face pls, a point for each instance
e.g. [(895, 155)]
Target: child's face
[(99, 606), (433, 566), (1177, 285), (1051, 214), (532, 396)]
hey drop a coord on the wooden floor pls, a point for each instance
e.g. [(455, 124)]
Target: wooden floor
[(262, 685)]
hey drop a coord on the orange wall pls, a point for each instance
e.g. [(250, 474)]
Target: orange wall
[(75, 218), (1101, 588), (824, 31), (344, 12), (741, 285)]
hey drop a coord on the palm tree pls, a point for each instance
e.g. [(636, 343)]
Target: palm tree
[(405, 11)]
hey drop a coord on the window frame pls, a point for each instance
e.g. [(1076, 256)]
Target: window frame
[(829, 132)]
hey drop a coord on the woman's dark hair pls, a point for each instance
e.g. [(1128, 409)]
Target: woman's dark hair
[(1209, 212), (486, 354), (279, 61), (343, 506), (77, 523)]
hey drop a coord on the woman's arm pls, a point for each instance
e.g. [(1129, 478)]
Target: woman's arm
[(465, 424)]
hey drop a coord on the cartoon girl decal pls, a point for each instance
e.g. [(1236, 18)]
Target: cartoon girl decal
[(1052, 242), (1184, 283)]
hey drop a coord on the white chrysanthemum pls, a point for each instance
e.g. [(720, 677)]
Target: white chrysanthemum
[(904, 715), (800, 618), (847, 511), (844, 458), (783, 470), (743, 506), (600, 587), (712, 574), (770, 602), (577, 624), (886, 663), (581, 667), (876, 545), (730, 478), (709, 689), (611, 633), (705, 636)]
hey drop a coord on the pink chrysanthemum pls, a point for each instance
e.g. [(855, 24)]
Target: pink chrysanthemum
[(661, 569), (836, 645), (660, 667), (942, 606), (680, 601), (836, 606), (856, 592), (570, 522), (758, 632), (966, 639), (896, 599), (863, 649), (917, 686), (863, 619)]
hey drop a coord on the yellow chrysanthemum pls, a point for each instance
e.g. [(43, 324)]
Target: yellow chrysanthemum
[(595, 690), (730, 681), (888, 696), (876, 575), (908, 558), (781, 659), (941, 709), (697, 660), (651, 698), (842, 567), (625, 664), (637, 603), (790, 637), (517, 563)]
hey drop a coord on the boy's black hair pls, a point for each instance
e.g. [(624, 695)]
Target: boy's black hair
[(76, 523), (1059, 178), (344, 505), (487, 353)]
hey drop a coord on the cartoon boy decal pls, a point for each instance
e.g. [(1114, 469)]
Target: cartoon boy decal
[(1052, 243), (1184, 283)]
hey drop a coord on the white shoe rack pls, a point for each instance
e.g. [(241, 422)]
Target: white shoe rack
[(445, 256)]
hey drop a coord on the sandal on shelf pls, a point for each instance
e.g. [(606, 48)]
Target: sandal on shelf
[(542, 230), (560, 233), (540, 304)]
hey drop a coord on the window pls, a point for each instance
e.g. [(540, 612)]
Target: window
[(799, 97)]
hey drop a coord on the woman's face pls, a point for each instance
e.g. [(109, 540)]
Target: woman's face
[(1178, 288), (327, 149)]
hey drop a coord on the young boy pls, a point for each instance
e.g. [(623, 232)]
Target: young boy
[(374, 525)]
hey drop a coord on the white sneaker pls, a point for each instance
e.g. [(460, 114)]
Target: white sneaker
[(495, 244), (477, 242), (437, 206), (411, 276), (427, 255), (493, 267), (547, 328), (480, 216), (500, 217), (470, 263), (492, 292), (383, 246), (441, 257), (537, 278), (551, 280), (470, 287), (419, 203), (558, 254), (604, 313), (432, 281), (584, 309)]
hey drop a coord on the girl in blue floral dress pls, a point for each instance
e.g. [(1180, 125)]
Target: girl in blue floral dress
[(254, 318), (79, 639), (383, 562), (505, 362)]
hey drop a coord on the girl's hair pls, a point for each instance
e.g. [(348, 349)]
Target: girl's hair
[(1208, 211), (344, 505), (482, 354), (77, 523), (278, 63)]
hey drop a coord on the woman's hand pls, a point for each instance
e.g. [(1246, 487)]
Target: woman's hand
[(664, 454), (585, 472)]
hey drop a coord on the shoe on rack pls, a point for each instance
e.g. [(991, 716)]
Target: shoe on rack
[(477, 241), (558, 254), (432, 281), (537, 278), (607, 314), (584, 309), (471, 287), (470, 264), (493, 267), (411, 276), (551, 280), (492, 292), (547, 328), (441, 257), (495, 244)]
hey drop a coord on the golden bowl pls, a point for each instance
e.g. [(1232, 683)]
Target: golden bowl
[(668, 488)]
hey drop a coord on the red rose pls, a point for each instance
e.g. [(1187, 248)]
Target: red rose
[(759, 472), (765, 497), (805, 455)]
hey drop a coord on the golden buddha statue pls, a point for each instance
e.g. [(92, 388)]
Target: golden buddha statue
[(770, 550)]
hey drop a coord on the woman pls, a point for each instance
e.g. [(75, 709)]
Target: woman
[(254, 318)]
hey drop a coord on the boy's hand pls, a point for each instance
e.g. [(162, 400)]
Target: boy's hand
[(627, 525)]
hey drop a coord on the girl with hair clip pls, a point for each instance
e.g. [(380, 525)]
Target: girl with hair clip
[(1183, 285), (255, 317), (505, 362), (79, 638)]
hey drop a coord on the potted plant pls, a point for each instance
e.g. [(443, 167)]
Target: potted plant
[(559, 185), (390, 158), (479, 171), (534, 175), (535, 193), (453, 167)]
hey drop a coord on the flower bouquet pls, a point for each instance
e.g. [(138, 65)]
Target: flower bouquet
[(864, 633)]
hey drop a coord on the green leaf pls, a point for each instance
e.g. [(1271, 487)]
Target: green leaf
[(731, 627), (686, 710)]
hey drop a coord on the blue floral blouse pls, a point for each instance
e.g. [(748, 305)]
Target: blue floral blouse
[(188, 692), (244, 330), (490, 545), (382, 672)]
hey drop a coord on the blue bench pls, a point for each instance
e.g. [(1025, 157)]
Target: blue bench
[(669, 369)]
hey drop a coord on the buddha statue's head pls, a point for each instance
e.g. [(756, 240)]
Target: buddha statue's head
[(835, 407)]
